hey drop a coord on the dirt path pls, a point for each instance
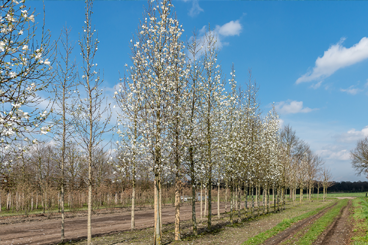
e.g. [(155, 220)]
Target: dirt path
[(48, 231), (339, 231), (288, 233)]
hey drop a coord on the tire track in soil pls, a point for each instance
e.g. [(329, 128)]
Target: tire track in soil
[(291, 231), (339, 231)]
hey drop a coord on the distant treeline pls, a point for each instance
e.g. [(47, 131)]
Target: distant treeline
[(348, 186)]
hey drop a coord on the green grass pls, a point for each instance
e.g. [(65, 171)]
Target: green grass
[(322, 223), (351, 194), (286, 223), (360, 216)]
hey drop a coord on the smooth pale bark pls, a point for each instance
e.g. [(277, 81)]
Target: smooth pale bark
[(238, 203), (194, 221), (177, 207), (209, 217), (192, 176), (218, 199), (201, 202), (205, 202), (246, 201), (132, 223), (157, 224), (274, 200), (258, 200), (301, 195), (226, 187), (231, 203), (268, 200), (252, 208)]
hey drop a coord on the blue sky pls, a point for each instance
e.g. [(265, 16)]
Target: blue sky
[(309, 58)]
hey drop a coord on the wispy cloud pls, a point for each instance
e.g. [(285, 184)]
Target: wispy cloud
[(196, 9), (336, 155), (292, 107), (351, 90), (232, 28), (335, 58), (317, 85)]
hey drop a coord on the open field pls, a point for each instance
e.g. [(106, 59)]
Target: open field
[(313, 222)]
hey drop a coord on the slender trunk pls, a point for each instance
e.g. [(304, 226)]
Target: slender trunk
[(301, 195), (252, 208), (268, 199), (231, 202), (157, 226), (226, 187), (201, 201), (177, 207), (209, 217), (194, 221), (205, 201), (246, 201), (218, 199), (192, 176), (132, 224), (239, 201)]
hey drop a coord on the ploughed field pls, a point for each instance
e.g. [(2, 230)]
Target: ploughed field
[(316, 222)]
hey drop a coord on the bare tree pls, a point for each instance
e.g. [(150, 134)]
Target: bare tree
[(64, 86), (359, 157), (92, 117)]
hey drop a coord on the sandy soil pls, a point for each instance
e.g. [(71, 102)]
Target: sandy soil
[(47, 231)]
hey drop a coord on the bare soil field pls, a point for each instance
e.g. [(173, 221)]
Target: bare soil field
[(19, 230)]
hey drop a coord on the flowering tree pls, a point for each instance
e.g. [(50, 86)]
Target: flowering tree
[(159, 66), (25, 70)]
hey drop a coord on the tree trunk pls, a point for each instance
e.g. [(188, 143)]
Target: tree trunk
[(157, 225), (205, 202), (231, 202), (201, 202), (177, 207), (226, 187), (209, 217), (238, 203), (132, 224), (218, 199), (194, 196), (192, 172)]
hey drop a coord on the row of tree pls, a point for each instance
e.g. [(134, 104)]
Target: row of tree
[(179, 120)]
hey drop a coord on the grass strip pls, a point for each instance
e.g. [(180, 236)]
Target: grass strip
[(322, 223), (283, 225), (360, 216)]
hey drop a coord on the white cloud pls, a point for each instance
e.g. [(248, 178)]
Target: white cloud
[(291, 107), (335, 58), (353, 135), (351, 90), (196, 9), (342, 155), (231, 28), (317, 85)]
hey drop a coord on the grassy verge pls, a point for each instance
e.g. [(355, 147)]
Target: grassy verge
[(286, 223), (360, 216), (322, 223)]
